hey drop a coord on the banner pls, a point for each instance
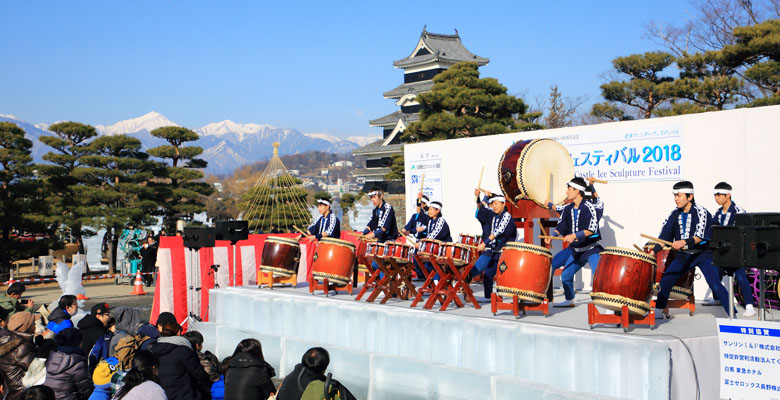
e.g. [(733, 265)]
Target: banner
[(651, 154), (425, 170), (749, 359)]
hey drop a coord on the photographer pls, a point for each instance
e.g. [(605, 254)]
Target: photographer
[(10, 299)]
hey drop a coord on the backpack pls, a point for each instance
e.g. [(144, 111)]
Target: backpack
[(99, 351), (126, 348)]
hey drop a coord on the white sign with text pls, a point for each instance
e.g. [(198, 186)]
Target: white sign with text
[(749, 359)]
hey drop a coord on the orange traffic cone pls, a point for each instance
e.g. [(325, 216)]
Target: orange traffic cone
[(81, 297), (138, 286)]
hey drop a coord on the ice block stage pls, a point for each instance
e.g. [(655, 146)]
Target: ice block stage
[(394, 351)]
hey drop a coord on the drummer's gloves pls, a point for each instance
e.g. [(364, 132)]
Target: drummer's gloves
[(690, 242), (657, 248), (554, 233), (580, 235), (550, 205)]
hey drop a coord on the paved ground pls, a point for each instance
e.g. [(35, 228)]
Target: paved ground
[(97, 291)]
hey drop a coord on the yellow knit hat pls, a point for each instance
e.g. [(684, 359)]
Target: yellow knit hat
[(104, 370)]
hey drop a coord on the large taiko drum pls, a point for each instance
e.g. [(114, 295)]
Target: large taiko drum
[(398, 251), (531, 168), (471, 240), (430, 248), (459, 253), (683, 289), (335, 259), (624, 277), (524, 270), (280, 256)]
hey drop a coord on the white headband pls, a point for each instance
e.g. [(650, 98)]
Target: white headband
[(576, 186), (424, 200), (323, 201), (683, 190), (372, 194), (434, 205), (721, 191), (498, 198)]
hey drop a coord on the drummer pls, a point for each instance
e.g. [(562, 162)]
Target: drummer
[(435, 227), (726, 216), (484, 215), (579, 225), (502, 230), (689, 226), (417, 219), (327, 225), (382, 225)]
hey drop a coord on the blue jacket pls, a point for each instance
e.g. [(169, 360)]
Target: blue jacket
[(728, 218), (685, 226), (383, 217), (59, 319), (326, 224), (484, 215), (218, 389), (415, 222), (503, 229), (580, 219), (436, 228)]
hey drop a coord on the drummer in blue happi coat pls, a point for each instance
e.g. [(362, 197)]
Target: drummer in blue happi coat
[(327, 225)]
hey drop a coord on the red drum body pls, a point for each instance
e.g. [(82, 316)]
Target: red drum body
[(457, 252), (398, 251), (683, 289), (624, 277), (471, 240), (371, 248), (335, 259), (430, 247), (524, 270), (280, 256), (532, 168)]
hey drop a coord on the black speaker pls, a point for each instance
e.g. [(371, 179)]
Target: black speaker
[(195, 238), (728, 245), (767, 247), (232, 230), (757, 219)]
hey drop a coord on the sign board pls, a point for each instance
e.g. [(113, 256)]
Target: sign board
[(45, 266), (749, 359), (625, 155), (425, 169)]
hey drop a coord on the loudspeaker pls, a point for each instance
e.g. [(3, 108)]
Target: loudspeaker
[(232, 230), (728, 245), (767, 247), (757, 219), (195, 238)]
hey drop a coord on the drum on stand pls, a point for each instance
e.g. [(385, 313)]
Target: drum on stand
[(624, 277), (524, 270), (430, 247), (335, 259), (280, 256), (459, 253), (471, 240), (530, 168), (683, 289), (398, 251)]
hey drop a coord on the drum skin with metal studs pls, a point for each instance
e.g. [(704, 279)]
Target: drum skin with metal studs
[(430, 248), (335, 260), (459, 253), (398, 251), (624, 277), (537, 170), (280, 256), (524, 270)]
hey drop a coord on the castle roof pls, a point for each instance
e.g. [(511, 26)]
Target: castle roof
[(436, 47)]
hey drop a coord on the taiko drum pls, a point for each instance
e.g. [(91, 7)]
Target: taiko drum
[(398, 251), (537, 170), (524, 270), (280, 256), (335, 260), (624, 277), (430, 247), (683, 289), (471, 240), (457, 252)]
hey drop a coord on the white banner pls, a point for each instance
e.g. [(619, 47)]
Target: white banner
[(749, 359), (428, 164), (627, 155)]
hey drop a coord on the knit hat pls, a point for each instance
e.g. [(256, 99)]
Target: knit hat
[(22, 321), (104, 371)]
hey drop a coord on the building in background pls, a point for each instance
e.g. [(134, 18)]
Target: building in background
[(433, 54)]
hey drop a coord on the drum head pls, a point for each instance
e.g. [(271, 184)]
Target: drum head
[(620, 251), (539, 160), (338, 242)]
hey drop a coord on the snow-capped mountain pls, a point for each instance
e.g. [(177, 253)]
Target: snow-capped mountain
[(226, 145)]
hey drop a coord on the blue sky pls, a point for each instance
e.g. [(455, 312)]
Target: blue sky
[(314, 66)]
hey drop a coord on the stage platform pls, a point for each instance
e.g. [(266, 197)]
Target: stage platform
[(394, 351)]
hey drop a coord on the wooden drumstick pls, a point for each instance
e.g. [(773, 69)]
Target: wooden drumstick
[(301, 231), (655, 239), (639, 249), (422, 182), (360, 235), (479, 183), (549, 185), (550, 237), (597, 180)]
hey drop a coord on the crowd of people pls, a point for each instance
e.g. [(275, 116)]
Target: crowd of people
[(112, 354)]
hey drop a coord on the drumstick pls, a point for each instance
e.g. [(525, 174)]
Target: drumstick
[(479, 183), (639, 249), (550, 237), (655, 239), (597, 180), (410, 238), (356, 234), (422, 182), (547, 192), (301, 231)]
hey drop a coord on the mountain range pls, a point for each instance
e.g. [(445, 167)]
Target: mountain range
[(226, 145)]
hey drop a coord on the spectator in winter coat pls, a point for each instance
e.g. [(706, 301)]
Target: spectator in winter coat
[(248, 375), (39, 392), (127, 321), (66, 368), (180, 373), (309, 377), (16, 354), (93, 326), (209, 361), (59, 318), (102, 379), (140, 382), (150, 331), (218, 388), (10, 299)]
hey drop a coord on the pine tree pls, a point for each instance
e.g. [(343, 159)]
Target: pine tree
[(20, 198), (646, 89), (757, 48), (115, 190), (70, 142), (706, 81), (180, 187)]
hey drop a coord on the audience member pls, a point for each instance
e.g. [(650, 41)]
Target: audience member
[(39, 392), (10, 300), (180, 372), (23, 324), (93, 326), (151, 332), (248, 375), (307, 379), (101, 378), (59, 318), (127, 321), (16, 354), (66, 368), (141, 382), (218, 387), (209, 361)]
